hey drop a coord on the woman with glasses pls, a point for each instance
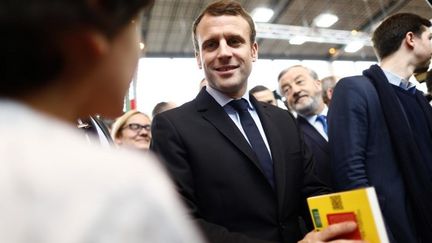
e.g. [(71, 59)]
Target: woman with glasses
[(132, 129)]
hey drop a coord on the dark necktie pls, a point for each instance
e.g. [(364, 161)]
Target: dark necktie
[(254, 137), (323, 120)]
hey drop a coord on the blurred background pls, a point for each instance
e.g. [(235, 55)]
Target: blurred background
[(330, 36)]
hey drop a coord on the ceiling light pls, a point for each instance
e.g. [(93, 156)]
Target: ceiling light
[(262, 14), (332, 51), (325, 20), (353, 46), (141, 45), (298, 40)]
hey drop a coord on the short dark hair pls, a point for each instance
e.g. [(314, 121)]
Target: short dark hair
[(161, 107), (30, 30), (223, 7), (387, 38), (258, 88)]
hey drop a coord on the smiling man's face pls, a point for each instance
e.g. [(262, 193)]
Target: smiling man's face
[(302, 91), (226, 53)]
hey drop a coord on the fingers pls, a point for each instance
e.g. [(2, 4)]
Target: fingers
[(335, 230), (331, 232)]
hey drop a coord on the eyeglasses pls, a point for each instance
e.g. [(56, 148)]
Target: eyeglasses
[(137, 127)]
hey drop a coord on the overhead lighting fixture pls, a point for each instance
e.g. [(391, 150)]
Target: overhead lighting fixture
[(262, 14), (301, 34), (141, 45), (332, 51), (353, 46), (325, 20), (298, 40)]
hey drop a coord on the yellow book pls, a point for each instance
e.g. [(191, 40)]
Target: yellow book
[(359, 205)]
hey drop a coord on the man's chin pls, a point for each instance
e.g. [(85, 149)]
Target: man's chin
[(304, 110), (303, 105)]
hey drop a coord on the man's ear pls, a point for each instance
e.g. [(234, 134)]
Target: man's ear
[(409, 39), (254, 51), (198, 59), (330, 93), (318, 84)]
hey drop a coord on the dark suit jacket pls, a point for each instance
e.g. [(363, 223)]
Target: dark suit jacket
[(319, 148), (362, 153), (220, 178)]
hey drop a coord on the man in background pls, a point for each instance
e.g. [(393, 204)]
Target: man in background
[(263, 94), (380, 129), (303, 92), (328, 83), (163, 106)]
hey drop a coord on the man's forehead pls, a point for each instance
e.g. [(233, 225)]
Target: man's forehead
[(227, 24), (295, 73)]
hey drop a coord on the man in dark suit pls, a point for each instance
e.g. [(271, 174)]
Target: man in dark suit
[(380, 129), (240, 165), (303, 92)]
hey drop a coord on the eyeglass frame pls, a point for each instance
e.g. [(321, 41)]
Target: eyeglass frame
[(137, 127)]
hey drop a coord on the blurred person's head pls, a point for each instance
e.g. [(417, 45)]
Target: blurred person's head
[(404, 30), (302, 89), (163, 106), (328, 84), (225, 47), (82, 54), (263, 94), (132, 129)]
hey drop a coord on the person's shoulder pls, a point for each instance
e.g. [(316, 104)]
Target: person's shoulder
[(301, 121), (276, 110), (354, 81), (56, 151), (179, 111), (353, 85)]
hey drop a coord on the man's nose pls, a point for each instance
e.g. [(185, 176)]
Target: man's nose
[(224, 50), (295, 89)]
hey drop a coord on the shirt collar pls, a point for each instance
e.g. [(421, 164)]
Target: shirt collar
[(396, 79), (312, 119), (223, 99)]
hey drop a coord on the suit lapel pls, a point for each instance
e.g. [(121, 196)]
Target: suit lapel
[(312, 133), (216, 115), (275, 144)]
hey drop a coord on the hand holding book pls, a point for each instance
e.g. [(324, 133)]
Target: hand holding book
[(332, 233), (360, 206)]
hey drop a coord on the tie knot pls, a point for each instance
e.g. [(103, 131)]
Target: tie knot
[(322, 118), (240, 105)]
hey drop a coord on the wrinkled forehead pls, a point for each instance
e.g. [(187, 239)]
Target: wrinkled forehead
[(295, 73)]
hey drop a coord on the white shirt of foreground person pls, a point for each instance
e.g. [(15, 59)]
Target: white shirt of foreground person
[(56, 188)]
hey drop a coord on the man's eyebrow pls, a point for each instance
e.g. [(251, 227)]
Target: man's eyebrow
[(298, 77)]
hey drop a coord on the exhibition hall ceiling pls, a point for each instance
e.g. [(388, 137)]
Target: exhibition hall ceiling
[(167, 28)]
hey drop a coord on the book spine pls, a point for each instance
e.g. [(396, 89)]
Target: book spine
[(379, 222)]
